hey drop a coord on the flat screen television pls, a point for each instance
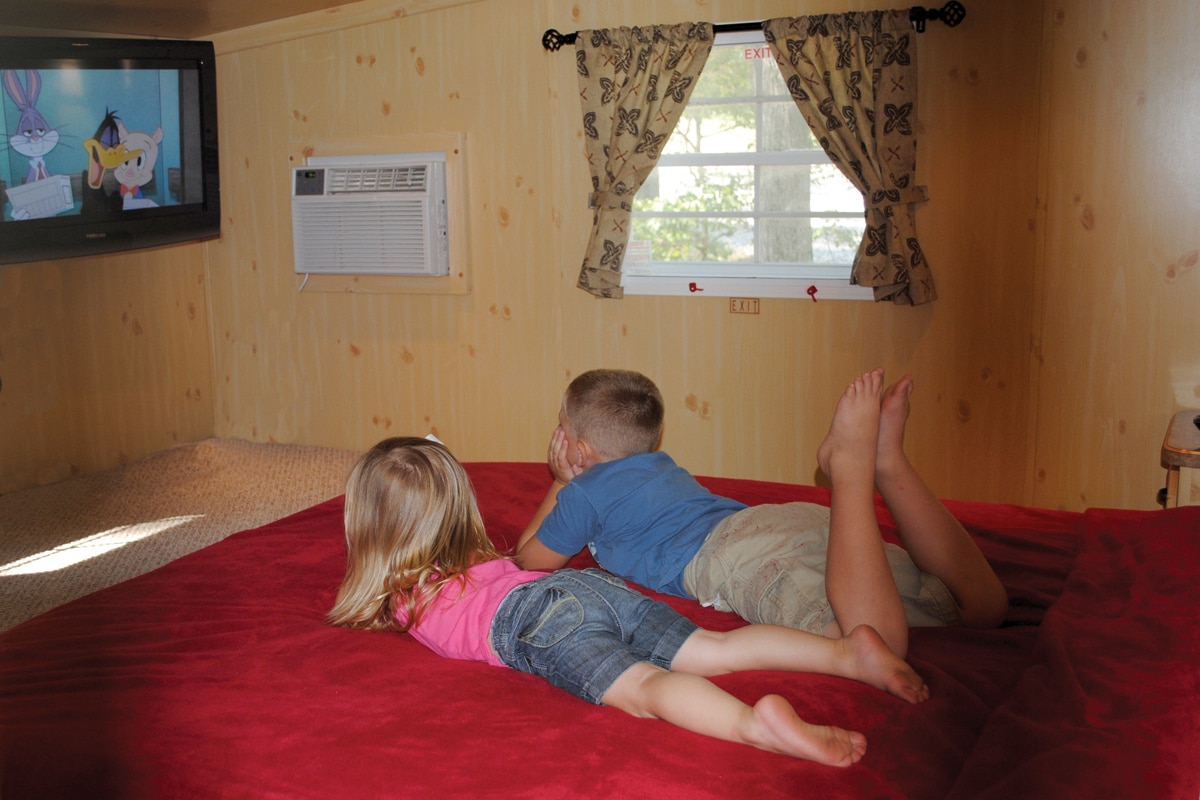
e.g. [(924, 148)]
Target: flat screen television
[(108, 145)]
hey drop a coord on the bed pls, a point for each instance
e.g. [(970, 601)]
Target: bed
[(214, 676)]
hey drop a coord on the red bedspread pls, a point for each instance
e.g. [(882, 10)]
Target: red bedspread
[(215, 677)]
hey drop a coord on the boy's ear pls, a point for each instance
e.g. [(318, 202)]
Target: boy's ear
[(588, 455)]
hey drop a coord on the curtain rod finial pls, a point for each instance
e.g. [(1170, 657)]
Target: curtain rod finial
[(952, 13), (552, 39)]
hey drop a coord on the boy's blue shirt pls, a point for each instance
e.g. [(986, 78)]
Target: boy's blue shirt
[(643, 517)]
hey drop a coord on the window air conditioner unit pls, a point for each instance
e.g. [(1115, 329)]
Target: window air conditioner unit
[(371, 215)]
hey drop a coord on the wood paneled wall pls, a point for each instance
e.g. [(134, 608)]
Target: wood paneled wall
[(747, 396), (102, 361), (1118, 289), (1061, 192)]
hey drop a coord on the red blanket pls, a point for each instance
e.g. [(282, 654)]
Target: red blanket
[(215, 677)]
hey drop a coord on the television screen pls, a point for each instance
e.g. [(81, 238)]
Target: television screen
[(109, 144)]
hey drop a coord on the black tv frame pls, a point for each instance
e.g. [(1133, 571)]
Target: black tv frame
[(74, 235)]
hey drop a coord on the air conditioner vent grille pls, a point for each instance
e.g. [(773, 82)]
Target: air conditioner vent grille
[(409, 178), (368, 237)]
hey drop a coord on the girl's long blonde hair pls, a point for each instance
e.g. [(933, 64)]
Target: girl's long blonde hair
[(412, 524)]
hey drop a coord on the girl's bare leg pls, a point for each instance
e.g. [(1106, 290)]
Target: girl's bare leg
[(698, 705), (858, 578), (937, 542)]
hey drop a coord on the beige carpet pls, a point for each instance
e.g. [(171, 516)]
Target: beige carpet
[(64, 541)]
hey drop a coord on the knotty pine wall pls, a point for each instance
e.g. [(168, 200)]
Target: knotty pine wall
[(102, 361), (1117, 292), (1061, 229)]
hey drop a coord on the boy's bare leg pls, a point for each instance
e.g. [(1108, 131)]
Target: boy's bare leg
[(937, 542), (696, 704), (858, 578)]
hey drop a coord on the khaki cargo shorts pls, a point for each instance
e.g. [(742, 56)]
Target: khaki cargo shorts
[(767, 564)]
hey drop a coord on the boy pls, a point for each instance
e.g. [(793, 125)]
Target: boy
[(797, 564)]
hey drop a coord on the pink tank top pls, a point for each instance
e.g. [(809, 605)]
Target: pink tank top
[(457, 624)]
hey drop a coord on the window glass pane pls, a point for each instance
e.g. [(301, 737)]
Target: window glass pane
[(833, 191), (696, 238), (691, 189), (784, 188), (727, 73), (836, 240), (782, 127)]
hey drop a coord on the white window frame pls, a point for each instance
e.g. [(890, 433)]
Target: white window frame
[(809, 281)]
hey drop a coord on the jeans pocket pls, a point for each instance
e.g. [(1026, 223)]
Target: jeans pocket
[(561, 614), (606, 576)]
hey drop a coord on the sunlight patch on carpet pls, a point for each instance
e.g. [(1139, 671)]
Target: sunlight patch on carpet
[(89, 547)]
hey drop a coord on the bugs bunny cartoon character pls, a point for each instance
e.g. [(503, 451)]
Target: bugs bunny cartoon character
[(33, 137)]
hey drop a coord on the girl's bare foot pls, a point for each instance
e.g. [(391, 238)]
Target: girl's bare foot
[(873, 662), (853, 437), (776, 728)]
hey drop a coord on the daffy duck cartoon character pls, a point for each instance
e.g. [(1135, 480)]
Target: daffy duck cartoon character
[(105, 152)]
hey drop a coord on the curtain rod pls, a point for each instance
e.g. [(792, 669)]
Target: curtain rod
[(952, 13)]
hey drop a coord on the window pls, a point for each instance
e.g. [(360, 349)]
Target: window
[(743, 201)]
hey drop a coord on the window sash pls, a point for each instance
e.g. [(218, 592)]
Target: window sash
[(737, 278), (771, 158)]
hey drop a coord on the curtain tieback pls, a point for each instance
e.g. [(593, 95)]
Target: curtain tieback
[(609, 200), (883, 199)]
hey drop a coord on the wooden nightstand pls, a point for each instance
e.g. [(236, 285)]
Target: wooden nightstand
[(1181, 457)]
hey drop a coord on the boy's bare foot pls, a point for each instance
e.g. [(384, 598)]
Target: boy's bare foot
[(853, 437), (776, 728), (893, 415), (874, 663)]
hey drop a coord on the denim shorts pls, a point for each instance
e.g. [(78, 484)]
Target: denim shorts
[(766, 563), (580, 630)]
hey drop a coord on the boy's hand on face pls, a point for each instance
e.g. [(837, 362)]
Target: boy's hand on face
[(559, 460)]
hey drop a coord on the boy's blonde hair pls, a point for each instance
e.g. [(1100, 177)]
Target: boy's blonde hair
[(412, 524), (619, 412)]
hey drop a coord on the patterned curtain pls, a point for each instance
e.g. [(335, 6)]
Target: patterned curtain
[(634, 84), (854, 78)]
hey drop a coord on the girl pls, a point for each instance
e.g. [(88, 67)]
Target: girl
[(420, 562)]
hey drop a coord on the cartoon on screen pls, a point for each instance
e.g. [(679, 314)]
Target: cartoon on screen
[(93, 142)]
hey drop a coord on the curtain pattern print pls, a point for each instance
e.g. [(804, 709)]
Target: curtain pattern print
[(634, 84), (854, 78)]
